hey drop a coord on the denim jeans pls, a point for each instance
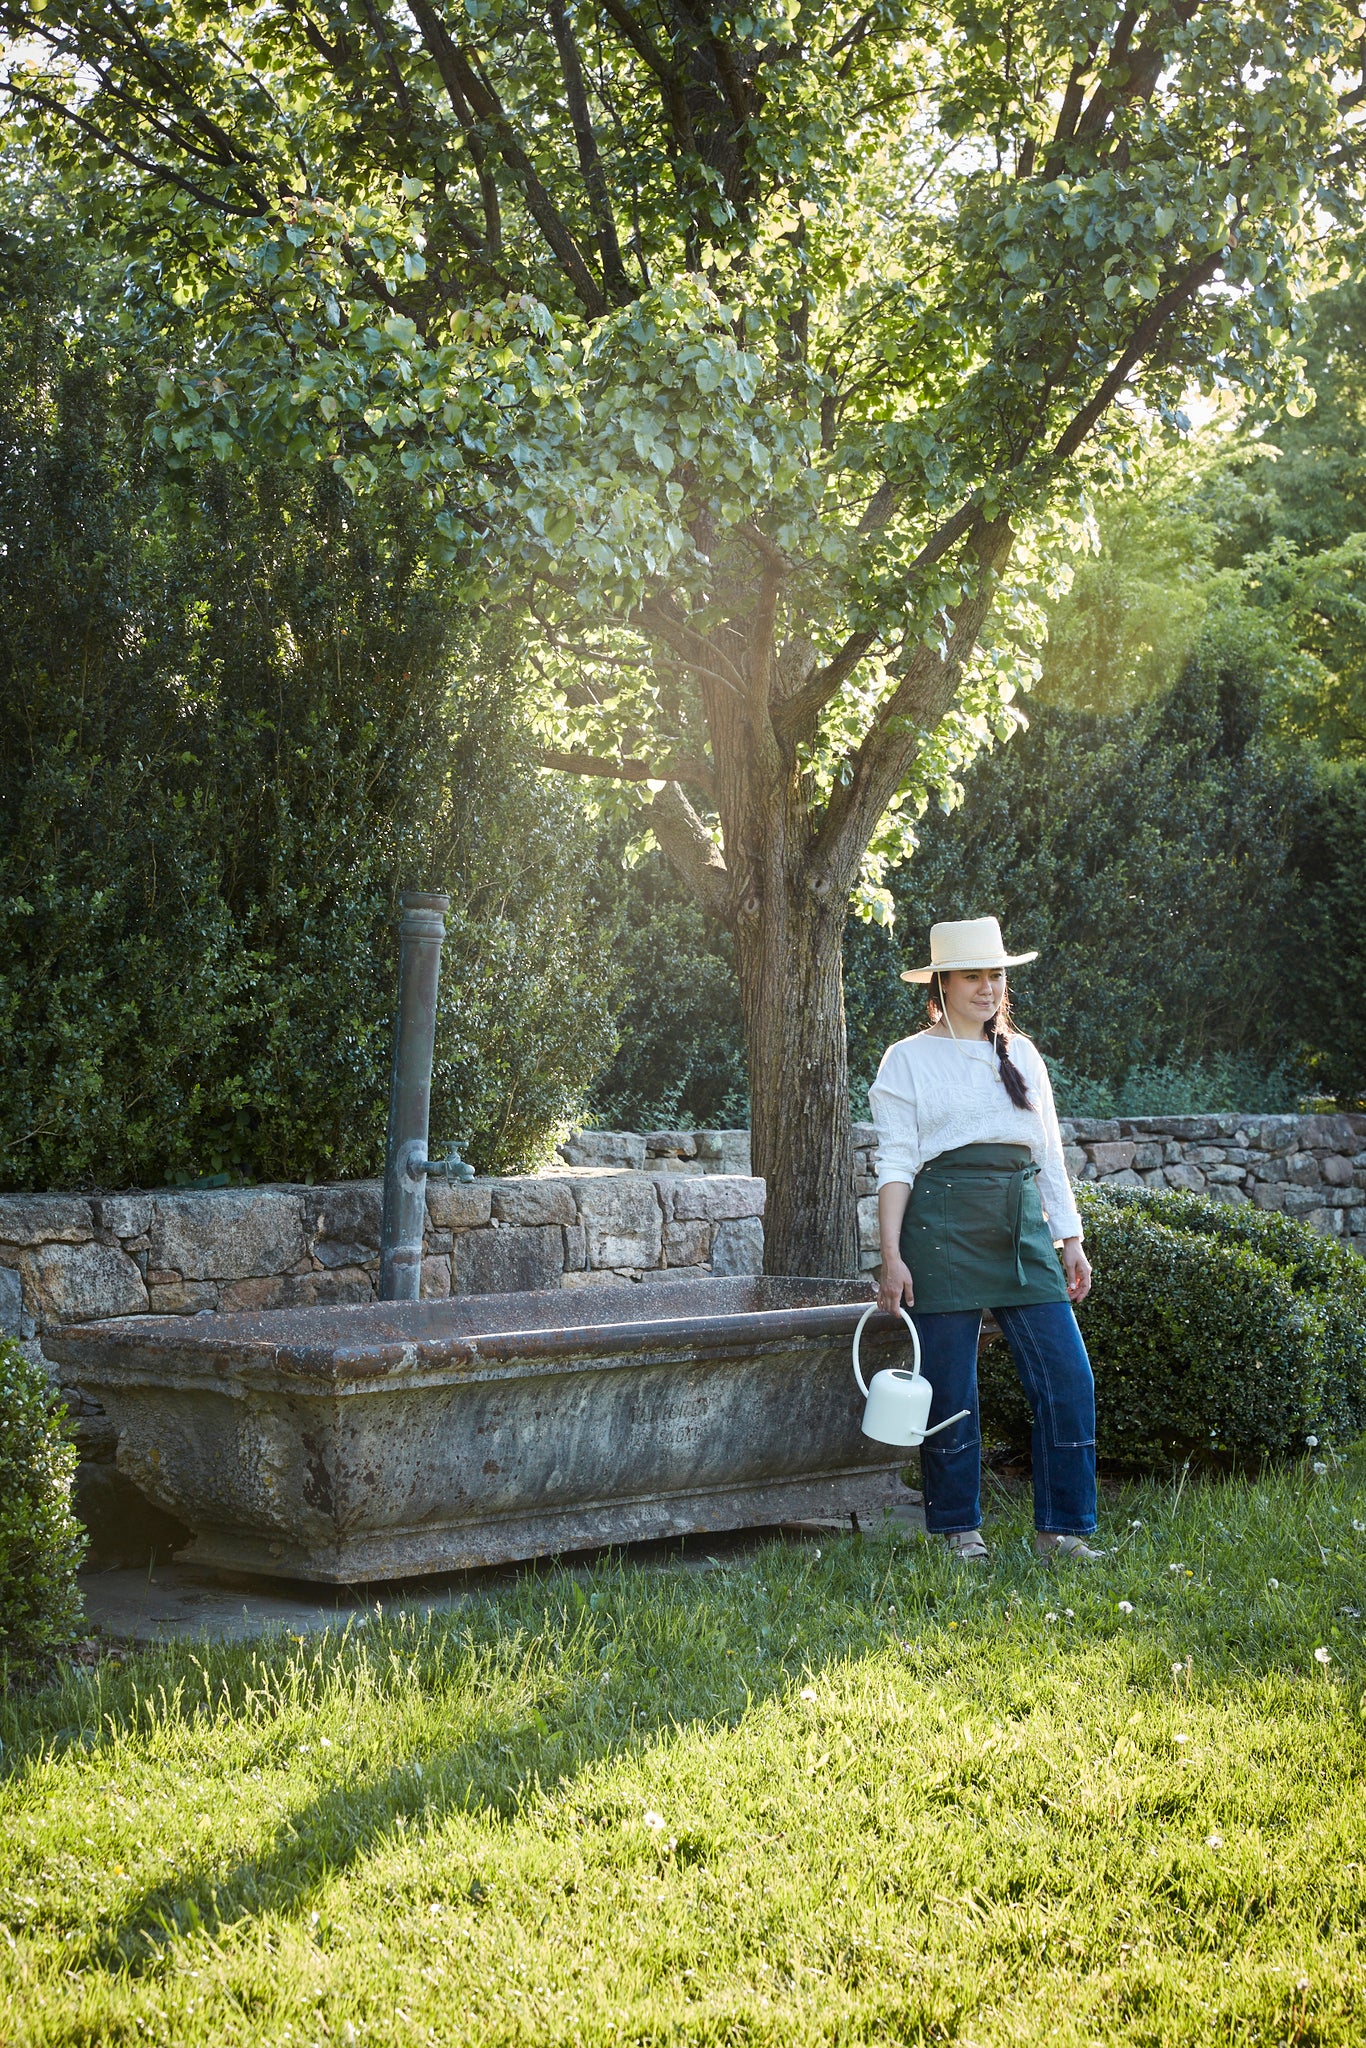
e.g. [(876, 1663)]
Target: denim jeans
[(1055, 1373)]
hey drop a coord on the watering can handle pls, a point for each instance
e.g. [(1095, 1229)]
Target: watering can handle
[(915, 1340)]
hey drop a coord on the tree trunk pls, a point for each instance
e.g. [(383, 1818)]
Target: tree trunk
[(791, 975)]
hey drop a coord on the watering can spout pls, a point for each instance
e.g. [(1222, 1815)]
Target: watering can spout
[(897, 1405)]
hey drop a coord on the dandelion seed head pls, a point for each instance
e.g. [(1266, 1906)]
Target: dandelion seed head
[(1069, 1613), (1181, 1738), (1126, 1606), (654, 1822), (1319, 1467), (1274, 1584), (1312, 1442), (1214, 1841), (808, 1692), (1322, 1655), (1050, 1617)]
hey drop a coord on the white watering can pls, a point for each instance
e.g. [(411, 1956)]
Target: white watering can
[(898, 1403)]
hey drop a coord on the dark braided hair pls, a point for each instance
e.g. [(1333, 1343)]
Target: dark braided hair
[(997, 1030)]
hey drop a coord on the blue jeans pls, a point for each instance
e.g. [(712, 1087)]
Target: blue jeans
[(1055, 1373)]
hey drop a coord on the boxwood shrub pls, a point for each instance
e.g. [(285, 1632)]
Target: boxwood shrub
[(41, 1541), (1212, 1329)]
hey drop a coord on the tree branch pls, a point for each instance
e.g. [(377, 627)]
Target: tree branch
[(590, 159), (691, 851), (680, 769)]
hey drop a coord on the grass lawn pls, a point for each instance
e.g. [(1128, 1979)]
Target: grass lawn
[(860, 1794)]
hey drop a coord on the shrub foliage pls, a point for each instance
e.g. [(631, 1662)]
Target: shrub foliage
[(1211, 1329), (41, 1542)]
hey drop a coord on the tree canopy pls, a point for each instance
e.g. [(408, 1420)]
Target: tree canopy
[(765, 354)]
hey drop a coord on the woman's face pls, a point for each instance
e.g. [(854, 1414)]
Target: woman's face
[(973, 996)]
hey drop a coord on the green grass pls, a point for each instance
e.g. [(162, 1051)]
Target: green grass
[(897, 1801)]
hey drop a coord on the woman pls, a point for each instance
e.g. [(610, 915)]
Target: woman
[(967, 1142)]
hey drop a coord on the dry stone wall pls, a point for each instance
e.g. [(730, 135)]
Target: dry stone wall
[(76, 1258)]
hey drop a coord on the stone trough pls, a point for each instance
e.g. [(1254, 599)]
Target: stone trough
[(352, 1444)]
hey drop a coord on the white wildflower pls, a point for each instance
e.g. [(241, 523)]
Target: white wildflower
[(1050, 1617), (1126, 1606), (1323, 1656), (1181, 1738), (1274, 1584), (1214, 1841), (808, 1692), (1318, 1468), (1312, 1442), (654, 1822), (1070, 1613)]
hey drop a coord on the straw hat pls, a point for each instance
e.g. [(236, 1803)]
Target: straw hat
[(969, 942)]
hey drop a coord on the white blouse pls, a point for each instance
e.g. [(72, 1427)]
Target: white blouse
[(933, 1094)]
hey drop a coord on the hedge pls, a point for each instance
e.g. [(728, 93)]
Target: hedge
[(41, 1542), (1212, 1329)]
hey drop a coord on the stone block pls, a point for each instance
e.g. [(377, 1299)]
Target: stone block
[(869, 1262), (675, 1144), (687, 1244), (720, 1198), (1125, 1178), (1346, 1198), (1147, 1155), (1154, 1178), (182, 1297), (436, 1277), (1302, 1168), (1336, 1170), (1302, 1201), (1074, 1159), (11, 1302), (1115, 1156), (1093, 1130), (529, 1200), (1067, 1130), (1184, 1176), (591, 1279), (604, 1148), (864, 1137), (45, 1219), (453, 1206), (865, 1184), (869, 1236), (1224, 1191), (623, 1218), (738, 1246), (124, 1215), (724, 1151), (1207, 1155), (80, 1283), (512, 1260), (1328, 1222), (342, 1223), (669, 1165), (575, 1248), (238, 1234), (1269, 1194), (1224, 1176)]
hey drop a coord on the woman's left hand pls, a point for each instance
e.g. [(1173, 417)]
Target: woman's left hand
[(1077, 1267)]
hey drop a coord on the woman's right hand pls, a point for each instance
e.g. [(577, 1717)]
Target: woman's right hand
[(895, 1287)]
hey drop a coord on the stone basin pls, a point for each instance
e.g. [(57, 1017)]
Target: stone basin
[(388, 1439)]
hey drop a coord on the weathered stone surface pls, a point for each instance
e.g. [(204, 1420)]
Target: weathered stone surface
[(687, 1244), (452, 1206), (84, 1282), (623, 1220), (1147, 1155), (1074, 1159), (45, 1219), (1269, 1194), (1346, 1198), (724, 1151), (1188, 1177), (589, 1278), (533, 1201), (1328, 1222), (1125, 1178), (342, 1223), (864, 1137), (719, 1198), (1224, 1176), (1302, 1201), (869, 1237), (238, 1234), (436, 1278), (124, 1215), (575, 1248), (1225, 1191), (1113, 1157), (738, 1247), (11, 1302), (1087, 1130), (604, 1148), (508, 1261), (1336, 1170), (676, 1144), (1303, 1169), (182, 1297)]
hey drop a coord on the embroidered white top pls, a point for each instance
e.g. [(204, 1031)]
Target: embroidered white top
[(933, 1094)]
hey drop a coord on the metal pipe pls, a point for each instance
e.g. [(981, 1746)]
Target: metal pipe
[(422, 928)]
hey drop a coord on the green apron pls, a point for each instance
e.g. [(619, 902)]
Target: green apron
[(974, 1234)]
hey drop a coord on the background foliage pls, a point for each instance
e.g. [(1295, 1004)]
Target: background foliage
[(41, 1542), (1213, 1330), (237, 716)]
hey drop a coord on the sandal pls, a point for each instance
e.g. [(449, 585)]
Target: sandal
[(1075, 1548), (966, 1545)]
